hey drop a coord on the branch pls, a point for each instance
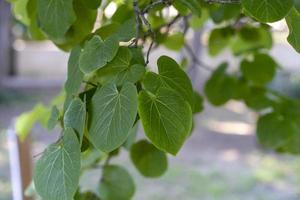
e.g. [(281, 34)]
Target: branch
[(196, 60)]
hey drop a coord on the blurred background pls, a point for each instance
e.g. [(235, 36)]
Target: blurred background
[(221, 160)]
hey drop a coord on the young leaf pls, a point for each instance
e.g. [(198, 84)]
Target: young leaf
[(97, 53), (112, 116), (150, 161), (170, 76), (293, 22), (166, 118), (56, 16), (261, 70), (267, 10), (75, 117), (56, 174), (274, 131), (116, 184)]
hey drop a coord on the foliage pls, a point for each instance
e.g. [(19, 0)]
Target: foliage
[(110, 89)]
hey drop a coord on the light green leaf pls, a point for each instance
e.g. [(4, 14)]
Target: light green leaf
[(112, 116), (116, 184), (20, 11), (166, 118), (97, 53), (274, 131), (150, 161), (174, 41), (75, 117), (54, 118), (56, 16), (261, 70), (171, 76), (219, 39), (26, 121), (267, 10), (293, 22), (198, 103), (56, 174)]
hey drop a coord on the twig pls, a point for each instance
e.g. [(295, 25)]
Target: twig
[(223, 1), (148, 52)]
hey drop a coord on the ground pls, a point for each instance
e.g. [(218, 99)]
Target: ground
[(213, 165)]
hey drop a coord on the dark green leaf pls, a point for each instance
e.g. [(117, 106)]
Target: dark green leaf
[(220, 87), (131, 137), (193, 5), (150, 161), (116, 184), (219, 39), (166, 118), (274, 130), (261, 70)]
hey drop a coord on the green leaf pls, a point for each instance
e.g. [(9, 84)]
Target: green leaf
[(274, 131), (92, 4), (219, 39), (174, 42), (258, 99), (56, 16), (267, 10), (297, 5), (34, 31), (75, 76), (193, 5), (26, 121), (150, 161), (131, 136), (198, 103), (170, 76), (112, 116), (20, 11), (56, 174), (54, 118), (250, 38), (81, 28), (261, 70), (132, 74), (97, 53), (221, 13), (293, 22), (166, 118), (75, 117), (220, 87), (116, 184)]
